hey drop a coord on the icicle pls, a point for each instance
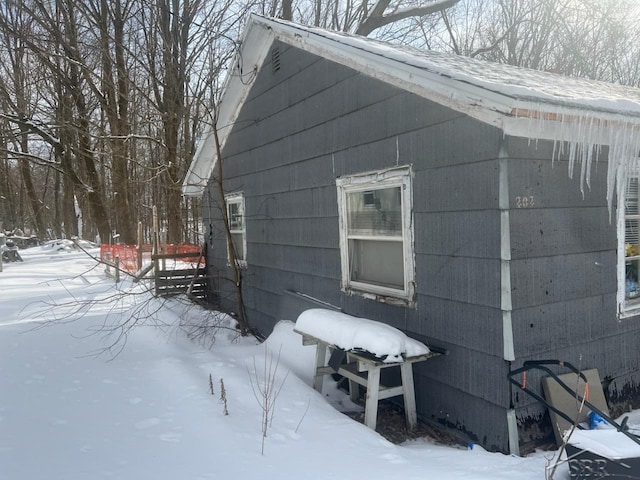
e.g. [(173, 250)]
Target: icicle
[(624, 147), (579, 136)]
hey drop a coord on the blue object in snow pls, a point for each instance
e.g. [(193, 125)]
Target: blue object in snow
[(596, 422)]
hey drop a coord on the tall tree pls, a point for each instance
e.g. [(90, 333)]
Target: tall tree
[(109, 19), (18, 94), (586, 38), (362, 17)]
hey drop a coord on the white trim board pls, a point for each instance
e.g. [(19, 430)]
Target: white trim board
[(525, 103)]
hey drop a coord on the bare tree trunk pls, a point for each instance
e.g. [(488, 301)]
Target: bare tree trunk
[(84, 150), (57, 206), (287, 11), (377, 18), (32, 197), (115, 104), (6, 197), (236, 271)]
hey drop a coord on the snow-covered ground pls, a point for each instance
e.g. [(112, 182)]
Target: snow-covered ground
[(75, 405)]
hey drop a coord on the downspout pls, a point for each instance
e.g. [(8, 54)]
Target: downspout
[(505, 285)]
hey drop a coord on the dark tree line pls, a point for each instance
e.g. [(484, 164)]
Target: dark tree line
[(100, 108)]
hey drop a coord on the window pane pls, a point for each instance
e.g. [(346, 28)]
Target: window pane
[(631, 236), (377, 262), (236, 238), (375, 212), (631, 279), (631, 200), (235, 216), (631, 239)]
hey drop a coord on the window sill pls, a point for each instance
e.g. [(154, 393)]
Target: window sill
[(631, 309), (389, 299)]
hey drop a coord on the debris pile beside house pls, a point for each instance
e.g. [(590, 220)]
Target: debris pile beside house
[(596, 445)]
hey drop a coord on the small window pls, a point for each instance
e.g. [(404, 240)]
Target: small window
[(376, 237), (629, 250), (237, 228)]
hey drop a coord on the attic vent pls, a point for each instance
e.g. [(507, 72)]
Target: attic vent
[(275, 59)]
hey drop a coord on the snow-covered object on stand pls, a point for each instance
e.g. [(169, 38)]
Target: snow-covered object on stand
[(354, 333)]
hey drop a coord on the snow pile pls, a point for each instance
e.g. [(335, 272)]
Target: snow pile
[(287, 345), (353, 333), (607, 443), (67, 245), (149, 412)]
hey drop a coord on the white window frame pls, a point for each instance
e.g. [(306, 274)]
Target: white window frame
[(395, 177), (627, 307), (237, 199)]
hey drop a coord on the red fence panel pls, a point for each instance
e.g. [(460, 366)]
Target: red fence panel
[(128, 254)]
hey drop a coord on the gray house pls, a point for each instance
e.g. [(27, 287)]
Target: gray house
[(435, 193)]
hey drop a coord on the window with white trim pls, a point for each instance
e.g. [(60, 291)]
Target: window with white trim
[(629, 250), (376, 233), (237, 226)]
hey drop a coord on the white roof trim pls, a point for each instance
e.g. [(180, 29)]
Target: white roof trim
[(247, 62), (519, 110)]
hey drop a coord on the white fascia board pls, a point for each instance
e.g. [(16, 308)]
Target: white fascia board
[(246, 64), (201, 167), (566, 124), (547, 121), (551, 120)]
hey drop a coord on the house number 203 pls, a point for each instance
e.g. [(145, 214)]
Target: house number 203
[(525, 201)]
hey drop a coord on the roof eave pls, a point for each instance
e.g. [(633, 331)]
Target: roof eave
[(535, 119), (251, 54), (482, 104), (555, 122)]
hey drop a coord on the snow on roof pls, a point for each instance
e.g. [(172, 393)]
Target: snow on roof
[(354, 333), (508, 80), (576, 114)]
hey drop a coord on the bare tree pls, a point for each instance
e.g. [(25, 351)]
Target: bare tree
[(57, 31), (376, 17), (18, 96), (111, 89), (111, 117), (586, 38), (362, 17)]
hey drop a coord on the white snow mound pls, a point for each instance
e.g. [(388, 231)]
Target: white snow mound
[(606, 443), (354, 333)]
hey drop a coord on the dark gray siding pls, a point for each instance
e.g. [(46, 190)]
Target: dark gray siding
[(314, 121), (563, 273)]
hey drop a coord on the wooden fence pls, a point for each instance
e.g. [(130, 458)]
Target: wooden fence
[(192, 281), (171, 270)]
